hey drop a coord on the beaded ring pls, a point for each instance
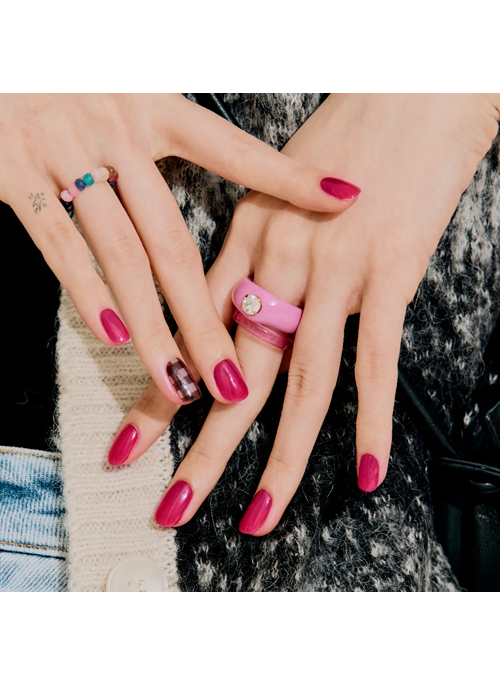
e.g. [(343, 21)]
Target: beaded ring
[(104, 173)]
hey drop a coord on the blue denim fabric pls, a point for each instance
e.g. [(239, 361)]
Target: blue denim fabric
[(33, 539)]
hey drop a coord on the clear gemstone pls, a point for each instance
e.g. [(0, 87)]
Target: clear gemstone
[(251, 305)]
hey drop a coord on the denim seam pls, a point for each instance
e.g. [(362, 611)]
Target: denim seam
[(22, 544), (31, 454)]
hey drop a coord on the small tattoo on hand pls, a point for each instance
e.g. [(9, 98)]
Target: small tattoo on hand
[(38, 201)]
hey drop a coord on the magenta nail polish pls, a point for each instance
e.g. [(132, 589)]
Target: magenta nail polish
[(340, 189), (114, 327), (368, 473), (230, 381), (174, 504), (123, 445), (256, 513)]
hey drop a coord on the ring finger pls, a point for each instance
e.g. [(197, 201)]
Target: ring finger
[(311, 380)]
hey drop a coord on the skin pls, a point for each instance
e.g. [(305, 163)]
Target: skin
[(48, 141), (413, 156)]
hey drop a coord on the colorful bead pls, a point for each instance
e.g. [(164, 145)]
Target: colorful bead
[(104, 173), (112, 172), (88, 180), (97, 175), (73, 190), (80, 183), (66, 196)]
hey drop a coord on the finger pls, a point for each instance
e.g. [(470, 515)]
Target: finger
[(212, 142), (142, 427), (177, 264), (152, 415), (311, 380), (121, 255), (379, 342), (221, 433), (66, 253)]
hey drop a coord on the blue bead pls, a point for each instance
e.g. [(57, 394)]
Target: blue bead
[(88, 179), (80, 183)]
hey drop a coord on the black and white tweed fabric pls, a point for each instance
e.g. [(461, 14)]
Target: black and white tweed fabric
[(333, 537)]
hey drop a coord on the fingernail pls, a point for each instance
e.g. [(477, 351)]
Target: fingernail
[(122, 446), (368, 473), (340, 189), (230, 381), (174, 504), (256, 513), (184, 384), (114, 327)]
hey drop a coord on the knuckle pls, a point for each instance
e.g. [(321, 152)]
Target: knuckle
[(278, 245), (126, 252), (177, 249), (374, 366), (152, 404), (304, 381), (202, 458), (61, 234), (280, 462)]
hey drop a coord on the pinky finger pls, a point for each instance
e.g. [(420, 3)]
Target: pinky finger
[(379, 342), (147, 420), (142, 427), (67, 255)]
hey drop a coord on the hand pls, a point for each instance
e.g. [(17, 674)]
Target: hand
[(48, 141), (413, 157)]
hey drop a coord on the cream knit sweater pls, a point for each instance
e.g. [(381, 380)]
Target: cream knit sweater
[(110, 509)]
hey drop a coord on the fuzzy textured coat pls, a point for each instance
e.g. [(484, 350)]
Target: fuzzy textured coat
[(332, 536)]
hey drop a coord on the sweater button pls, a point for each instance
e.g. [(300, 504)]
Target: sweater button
[(137, 574)]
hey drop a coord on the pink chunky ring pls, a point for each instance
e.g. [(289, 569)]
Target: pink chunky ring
[(265, 308), (284, 342)]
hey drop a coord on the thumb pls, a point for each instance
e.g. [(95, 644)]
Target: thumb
[(210, 141)]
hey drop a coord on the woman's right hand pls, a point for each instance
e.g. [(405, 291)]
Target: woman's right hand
[(48, 141)]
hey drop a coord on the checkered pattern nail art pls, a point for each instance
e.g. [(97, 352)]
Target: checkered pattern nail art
[(184, 384)]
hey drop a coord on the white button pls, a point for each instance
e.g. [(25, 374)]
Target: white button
[(137, 574)]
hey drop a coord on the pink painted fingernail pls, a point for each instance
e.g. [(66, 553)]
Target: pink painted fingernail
[(340, 189), (256, 513), (230, 381), (368, 473), (114, 327), (122, 446), (174, 504)]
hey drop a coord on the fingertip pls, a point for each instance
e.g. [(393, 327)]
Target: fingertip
[(174, 504), (230, 382), (123, 445), (339, 189), (116, 331), (371, 472)]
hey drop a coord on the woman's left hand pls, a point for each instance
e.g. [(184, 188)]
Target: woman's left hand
[(412, 156)]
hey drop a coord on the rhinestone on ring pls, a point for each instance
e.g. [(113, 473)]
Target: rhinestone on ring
[(251, 305)]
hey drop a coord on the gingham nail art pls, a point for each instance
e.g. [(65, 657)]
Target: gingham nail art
[(184, 384)]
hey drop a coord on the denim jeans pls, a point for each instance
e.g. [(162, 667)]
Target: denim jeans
[(33, 539)]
